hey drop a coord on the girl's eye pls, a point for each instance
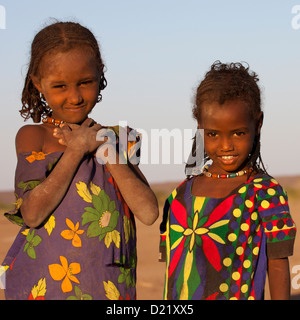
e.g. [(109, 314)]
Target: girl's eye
[(211, 134), (239, 133), (85, 83), (59, 86)]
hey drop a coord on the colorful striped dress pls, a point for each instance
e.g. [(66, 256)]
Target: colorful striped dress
[(218, 248)]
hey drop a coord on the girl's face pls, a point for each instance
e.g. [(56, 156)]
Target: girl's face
[(69, 82), (229, 133)]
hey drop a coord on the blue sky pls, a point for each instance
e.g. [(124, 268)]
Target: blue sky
[(156, 52)]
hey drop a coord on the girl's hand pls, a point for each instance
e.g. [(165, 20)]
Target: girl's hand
[(81, 138)]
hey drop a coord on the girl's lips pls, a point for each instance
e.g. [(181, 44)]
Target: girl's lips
[(75, 109), (227, 159)]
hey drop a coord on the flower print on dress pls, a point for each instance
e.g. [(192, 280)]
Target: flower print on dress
[(65, 272), (102, 217), (112, 293), (32, 242), (79, 295), (38, 291), (73, 233), (36, 156), (50, 224), (114, 221), (215, 253), (196, 230)]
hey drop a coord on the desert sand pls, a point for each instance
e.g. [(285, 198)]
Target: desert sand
[(150, 272)]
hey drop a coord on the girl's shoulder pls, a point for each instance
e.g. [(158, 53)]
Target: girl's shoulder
[(30, 138), (263, 178), (179, 191), (264, 184)]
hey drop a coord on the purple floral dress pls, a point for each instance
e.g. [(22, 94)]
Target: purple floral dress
[(86, 249)]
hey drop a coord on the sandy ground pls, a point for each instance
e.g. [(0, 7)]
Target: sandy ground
[(150, 272)]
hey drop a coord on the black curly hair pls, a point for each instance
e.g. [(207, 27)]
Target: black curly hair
[(229, 82), (57, 37)]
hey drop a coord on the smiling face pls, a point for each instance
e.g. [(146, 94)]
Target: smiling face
[(229, 133), (69, 82)]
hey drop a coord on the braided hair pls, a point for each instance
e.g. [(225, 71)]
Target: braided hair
[(229, 82), (57, 37)]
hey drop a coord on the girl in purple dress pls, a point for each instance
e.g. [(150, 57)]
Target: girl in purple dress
[(76, 206)]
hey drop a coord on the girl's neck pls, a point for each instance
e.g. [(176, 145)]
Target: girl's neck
[(216, 188), (219, 187), (52, 121), (57, 122), (206, 171)]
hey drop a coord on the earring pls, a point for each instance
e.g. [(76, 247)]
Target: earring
[(99, 97), (42, 97)]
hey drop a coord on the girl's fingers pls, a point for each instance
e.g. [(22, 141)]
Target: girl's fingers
[(88, 122), (92, 124), (62, 142), (66, 127), (73, 126), (97, 127), (57, 132)]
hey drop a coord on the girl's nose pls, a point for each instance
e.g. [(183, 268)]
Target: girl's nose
[(226, 144), (75, 96)]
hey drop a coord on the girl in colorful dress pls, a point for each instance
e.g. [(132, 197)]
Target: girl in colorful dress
[(78, 236), (224, 228)]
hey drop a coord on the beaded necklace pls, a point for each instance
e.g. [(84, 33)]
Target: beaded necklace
[(55, 122), (224, 176)]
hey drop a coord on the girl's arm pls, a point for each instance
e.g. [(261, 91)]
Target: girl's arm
[(279, 278), (45, 197), (131, 182), (135, 190)]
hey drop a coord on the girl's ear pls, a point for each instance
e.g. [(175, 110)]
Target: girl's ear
[(36, 82), (260, 122), (198, 125)]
